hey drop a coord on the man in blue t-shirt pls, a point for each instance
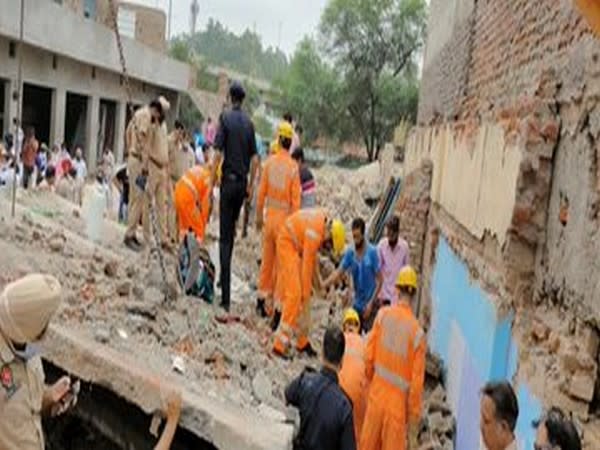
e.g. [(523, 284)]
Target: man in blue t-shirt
[(362, 262)]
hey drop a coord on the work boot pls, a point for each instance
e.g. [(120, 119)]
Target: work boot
[(260, 308), (308, 351), (132, 244), (275, 321), (282, 354)]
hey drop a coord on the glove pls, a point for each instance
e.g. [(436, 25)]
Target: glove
[(141, 181), (413, 437)]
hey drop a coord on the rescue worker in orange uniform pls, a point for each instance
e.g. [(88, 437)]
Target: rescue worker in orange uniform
[(353, 376), (395, 361), (192, 201), (279, 195), (299, 240)]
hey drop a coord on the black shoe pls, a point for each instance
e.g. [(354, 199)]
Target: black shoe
[(227, 308), (137, 242), (132, 244), (275, 321), (260, 307), (308, 351)]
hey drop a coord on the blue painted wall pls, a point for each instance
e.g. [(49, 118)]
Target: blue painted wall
[(476, 346)]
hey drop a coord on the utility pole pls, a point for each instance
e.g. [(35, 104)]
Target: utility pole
[(18, 95), (194, 10), (170, 17)]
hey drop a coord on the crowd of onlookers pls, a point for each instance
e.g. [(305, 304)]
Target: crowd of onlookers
[(29, 164)]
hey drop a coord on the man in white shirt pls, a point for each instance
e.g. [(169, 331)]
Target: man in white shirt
[(7, 168), (79, 164)]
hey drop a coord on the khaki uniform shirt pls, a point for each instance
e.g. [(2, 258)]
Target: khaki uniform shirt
[(159, 150), (142, 119), (21, 392)]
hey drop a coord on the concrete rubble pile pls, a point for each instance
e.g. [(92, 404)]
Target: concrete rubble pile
[(566, 349), (438, 425), (344, 191), (113, 297)]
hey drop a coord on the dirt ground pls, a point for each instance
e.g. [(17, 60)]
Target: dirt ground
[(113, 295)]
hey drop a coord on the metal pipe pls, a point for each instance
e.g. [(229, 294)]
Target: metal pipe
[(18, 121)]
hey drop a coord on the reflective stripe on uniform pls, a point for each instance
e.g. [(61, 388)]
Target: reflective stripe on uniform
[(290, 228), (190, 185), (417, 340), (277, 204), (312, 234), (277, 177), (392, 378), (396, 335), (355, 353), (283, 337)]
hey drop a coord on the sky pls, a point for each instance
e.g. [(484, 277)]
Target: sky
[(280, 23)]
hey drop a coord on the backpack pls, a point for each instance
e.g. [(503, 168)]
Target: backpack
[(195, 269)]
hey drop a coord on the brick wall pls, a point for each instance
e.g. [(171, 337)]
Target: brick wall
[(150, 27), (494, 57), (413, 207), (532, 69)]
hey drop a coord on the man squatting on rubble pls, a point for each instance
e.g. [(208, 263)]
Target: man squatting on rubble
[(362, 262), (26, 308)]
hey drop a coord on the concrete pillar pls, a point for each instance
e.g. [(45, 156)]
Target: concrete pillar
[(11, 105), (120, 124), (57, 117), (91, 132)]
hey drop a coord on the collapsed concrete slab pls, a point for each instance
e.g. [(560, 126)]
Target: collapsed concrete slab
[(223, 425)]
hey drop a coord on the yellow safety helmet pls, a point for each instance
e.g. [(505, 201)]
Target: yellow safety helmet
[(285, 130), (338, 236), (274, 148), (350, 315), (407, 277)]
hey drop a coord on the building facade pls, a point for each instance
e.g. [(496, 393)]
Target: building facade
[(73, 89)]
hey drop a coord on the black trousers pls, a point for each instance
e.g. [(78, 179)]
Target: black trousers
[(233, 193), (27, 173)]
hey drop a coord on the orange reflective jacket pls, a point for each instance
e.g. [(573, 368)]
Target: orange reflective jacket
[(305, 229), (395, 360), (279, 191), (353, 378)]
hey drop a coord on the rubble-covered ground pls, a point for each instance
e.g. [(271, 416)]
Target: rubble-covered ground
[(113, 295)]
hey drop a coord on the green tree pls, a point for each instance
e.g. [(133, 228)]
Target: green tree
[(311, 91), (262, 126), (243, 53), (374, 44), (179, 49)]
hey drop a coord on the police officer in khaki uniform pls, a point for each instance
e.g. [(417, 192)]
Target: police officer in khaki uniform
[(157, 184), (139, 138), (181, 159), (26, 307)]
